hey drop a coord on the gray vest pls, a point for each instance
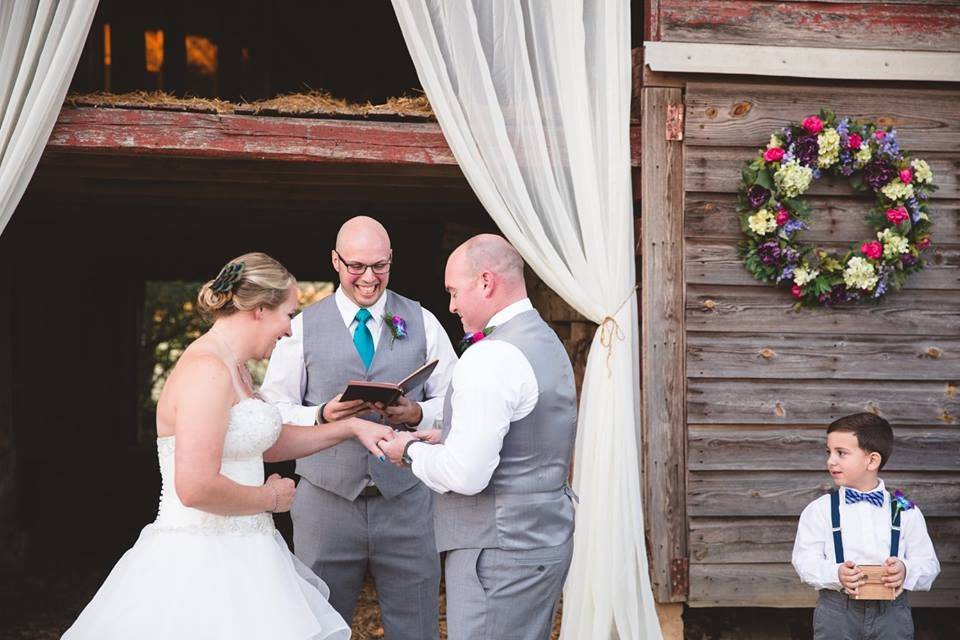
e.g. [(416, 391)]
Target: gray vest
[(331, 360), (528, 504)]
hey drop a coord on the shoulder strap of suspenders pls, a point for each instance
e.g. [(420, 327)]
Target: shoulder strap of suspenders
[(894, 529), (835, 525)]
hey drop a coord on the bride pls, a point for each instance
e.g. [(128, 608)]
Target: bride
[(212, 565)]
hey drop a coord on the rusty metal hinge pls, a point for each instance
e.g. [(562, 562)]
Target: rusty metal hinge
[(674, 128), (680, 577)]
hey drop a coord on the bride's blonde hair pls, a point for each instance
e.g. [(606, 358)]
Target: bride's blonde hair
[(245, 283)]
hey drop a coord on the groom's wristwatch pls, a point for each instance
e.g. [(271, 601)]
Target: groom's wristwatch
[(405, 457)]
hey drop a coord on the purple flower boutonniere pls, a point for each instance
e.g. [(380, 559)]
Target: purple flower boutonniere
[(902, 502), (397, 326), (473, 338)]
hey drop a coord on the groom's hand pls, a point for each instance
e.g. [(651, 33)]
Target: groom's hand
[(336, 410), (403, 411), (393, 449)]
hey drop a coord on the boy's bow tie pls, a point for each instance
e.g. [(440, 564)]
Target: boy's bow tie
[(852, 496)]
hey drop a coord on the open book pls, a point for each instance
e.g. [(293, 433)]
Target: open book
[(387, 392)]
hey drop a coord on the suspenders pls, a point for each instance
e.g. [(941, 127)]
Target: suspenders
[(835, 525)]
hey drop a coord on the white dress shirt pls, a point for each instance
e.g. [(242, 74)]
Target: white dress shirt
[(865, 530), (493, 385), (286, 379)]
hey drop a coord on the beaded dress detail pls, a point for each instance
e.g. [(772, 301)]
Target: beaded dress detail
[(194, 574)]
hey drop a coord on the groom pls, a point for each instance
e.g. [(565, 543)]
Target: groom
[(505, 513), (353, 512)]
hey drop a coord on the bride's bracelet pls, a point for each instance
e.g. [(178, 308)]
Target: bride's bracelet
[(276, 501)]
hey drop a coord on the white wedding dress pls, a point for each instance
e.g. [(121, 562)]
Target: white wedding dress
[(198, 575)]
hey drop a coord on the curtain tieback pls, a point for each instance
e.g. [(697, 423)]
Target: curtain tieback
[(610, 329)]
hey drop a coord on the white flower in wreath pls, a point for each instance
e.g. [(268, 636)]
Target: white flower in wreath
[(859, 274), (762, 222), (863, 156), (775, 142), (803, 275), (829, 142), (897, 190), (792, 179), (893, 243), (921, 171)]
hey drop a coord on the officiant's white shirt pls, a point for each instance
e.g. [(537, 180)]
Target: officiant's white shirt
[(286, 378), (493, 385)]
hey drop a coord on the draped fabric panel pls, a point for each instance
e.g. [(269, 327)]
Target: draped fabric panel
[(40, 44), (534, 100)]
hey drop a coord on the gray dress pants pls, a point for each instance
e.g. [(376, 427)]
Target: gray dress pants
[(837, 617), (496, 594), (393, 538)]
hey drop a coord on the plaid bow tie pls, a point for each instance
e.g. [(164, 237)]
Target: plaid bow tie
[(852, 496)]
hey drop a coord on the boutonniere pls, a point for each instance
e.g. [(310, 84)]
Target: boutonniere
[(397, 326), (901, 502), (473, 338)]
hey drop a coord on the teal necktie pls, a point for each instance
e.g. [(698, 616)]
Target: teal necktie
[(362, 338)]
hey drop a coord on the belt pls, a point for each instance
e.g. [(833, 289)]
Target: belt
[(370, 491)]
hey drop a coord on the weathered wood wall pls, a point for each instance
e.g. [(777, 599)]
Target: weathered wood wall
[(921, 25), (763, 381)]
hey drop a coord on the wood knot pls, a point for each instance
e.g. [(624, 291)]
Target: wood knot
[(767, 353), (947, 417), (709, 305), (779, 411), (710, 207), (951, 391), (711, 112), (755, 494), (741, 109), (933, 353)]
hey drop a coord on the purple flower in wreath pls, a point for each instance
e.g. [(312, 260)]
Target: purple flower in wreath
[(908, 260), (913, 206), (396, 325), (791, 255), (769, 253), (807, 150), (757, 196), (901, 502), (793, 225), (786, 273), (889, 144), (878, 173)]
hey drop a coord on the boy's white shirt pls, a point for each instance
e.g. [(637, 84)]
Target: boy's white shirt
[(865, 530)]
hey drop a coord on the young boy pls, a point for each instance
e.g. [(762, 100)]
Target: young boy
[(856, 525)]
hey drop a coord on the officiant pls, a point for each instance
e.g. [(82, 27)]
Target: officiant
[(352, 511)]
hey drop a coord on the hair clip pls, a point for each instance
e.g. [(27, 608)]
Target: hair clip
[(228, 277)]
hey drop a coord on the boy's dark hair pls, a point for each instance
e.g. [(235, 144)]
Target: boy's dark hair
[(873, 433)]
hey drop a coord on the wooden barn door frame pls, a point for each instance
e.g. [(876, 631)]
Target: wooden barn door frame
[(663, 340)]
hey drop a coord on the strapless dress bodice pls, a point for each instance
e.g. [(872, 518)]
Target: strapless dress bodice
[(254, 427)]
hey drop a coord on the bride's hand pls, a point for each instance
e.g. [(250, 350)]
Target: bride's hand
[(370, 433), (283, 491)]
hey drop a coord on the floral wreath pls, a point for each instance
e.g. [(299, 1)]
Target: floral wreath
[(772, 212)]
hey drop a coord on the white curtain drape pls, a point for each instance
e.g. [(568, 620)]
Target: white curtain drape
[(534, 100), (40, 44)]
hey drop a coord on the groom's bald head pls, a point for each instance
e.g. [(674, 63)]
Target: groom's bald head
[(489, 252), (483, 276)]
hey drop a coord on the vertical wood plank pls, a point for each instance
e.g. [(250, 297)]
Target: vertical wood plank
[(663, 341)]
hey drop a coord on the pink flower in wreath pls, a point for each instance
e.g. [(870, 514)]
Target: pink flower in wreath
[(782, 217), (773, 154), (906, 176), (854, 141), (896, 216), (813, 124), (924, 242), (880, 134), (872, 250), (796, 291)]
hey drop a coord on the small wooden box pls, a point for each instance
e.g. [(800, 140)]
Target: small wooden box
[(873, 588)]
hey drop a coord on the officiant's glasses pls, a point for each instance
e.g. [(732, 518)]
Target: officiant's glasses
[(359, 268)]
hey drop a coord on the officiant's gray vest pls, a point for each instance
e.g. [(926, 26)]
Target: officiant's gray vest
[(331, 360), (528, 504)]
